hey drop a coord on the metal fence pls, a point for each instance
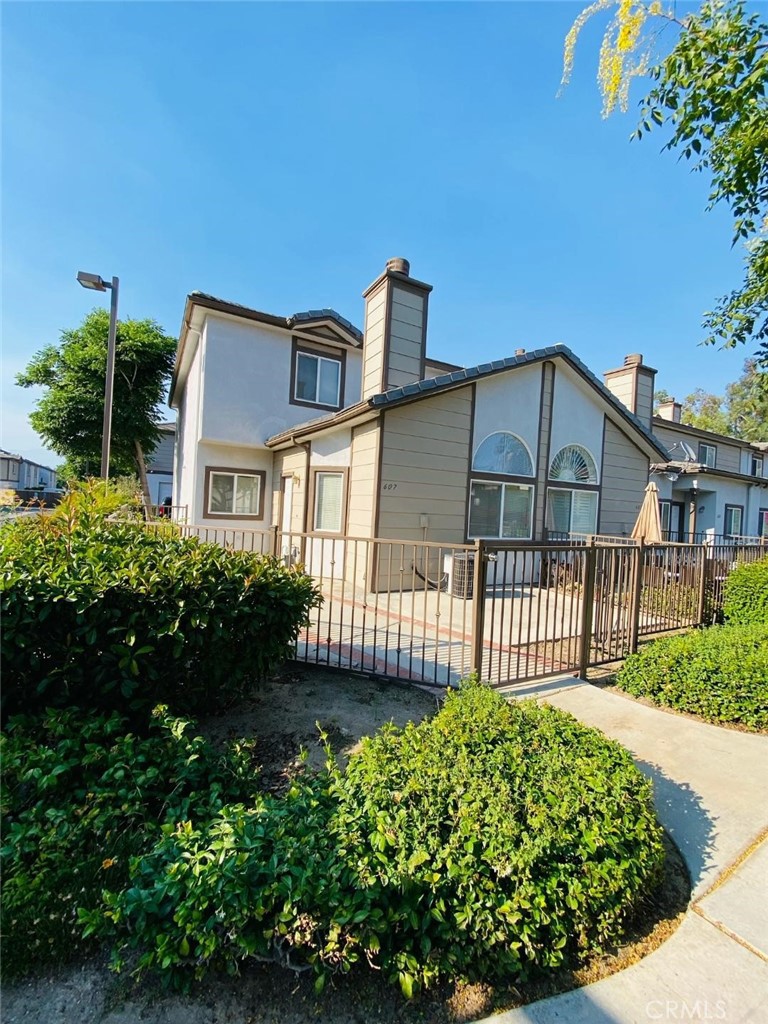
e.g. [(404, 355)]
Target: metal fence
[(433, 612)]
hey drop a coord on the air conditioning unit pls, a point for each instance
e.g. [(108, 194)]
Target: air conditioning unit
[(461, 574)]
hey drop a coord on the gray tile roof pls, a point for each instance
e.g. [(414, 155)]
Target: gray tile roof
[(447, 380), (285, 321)]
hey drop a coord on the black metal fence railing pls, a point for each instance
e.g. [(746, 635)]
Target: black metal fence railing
[(433, 612)]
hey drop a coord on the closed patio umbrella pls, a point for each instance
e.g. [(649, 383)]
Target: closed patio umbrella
[(648, 525)]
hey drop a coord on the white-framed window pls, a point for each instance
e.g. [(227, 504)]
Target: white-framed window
[(317, 380), (732, 522), (756, 465), (707, 455), (500, 510), (328, 513), (762, 522), (665, 514), (571, 511), (235, 493)]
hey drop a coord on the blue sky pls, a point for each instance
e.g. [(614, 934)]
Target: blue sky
[(278, 154)]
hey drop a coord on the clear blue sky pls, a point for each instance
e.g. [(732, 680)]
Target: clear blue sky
[(277, 154)]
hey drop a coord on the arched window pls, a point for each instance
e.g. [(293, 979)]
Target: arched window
[(503, 453), (500, 509), (572, 510), (573, 464)]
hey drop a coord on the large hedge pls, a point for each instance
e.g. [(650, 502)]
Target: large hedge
[(489, 841), (80, 795), (109, 615), (720, 673), (745, 598)]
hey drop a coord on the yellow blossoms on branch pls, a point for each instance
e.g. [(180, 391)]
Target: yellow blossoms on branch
[(624, 52)]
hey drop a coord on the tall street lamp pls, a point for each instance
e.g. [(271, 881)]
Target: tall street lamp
[(98, 284)]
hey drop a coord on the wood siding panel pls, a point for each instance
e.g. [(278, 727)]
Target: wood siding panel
[(545, 430), (728, 455), (362, 480), (425, 474), (623, 482)]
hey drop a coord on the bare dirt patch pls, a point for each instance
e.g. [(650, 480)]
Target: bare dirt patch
[(282, 716)]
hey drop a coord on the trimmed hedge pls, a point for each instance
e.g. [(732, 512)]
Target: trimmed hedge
[(492, 840), (745, 598), (80, 796), (720, 673), (112, 616)]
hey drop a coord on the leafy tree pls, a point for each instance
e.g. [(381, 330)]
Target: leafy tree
[(710, 92), (742, 412), (69, 415)]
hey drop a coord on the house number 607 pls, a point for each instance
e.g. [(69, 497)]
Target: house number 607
[(389, 487)]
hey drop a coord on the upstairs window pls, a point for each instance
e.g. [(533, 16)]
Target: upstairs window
[(756, 465), (707, 455), (317, 379)]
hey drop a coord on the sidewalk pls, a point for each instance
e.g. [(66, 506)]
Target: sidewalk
[(711, 787)]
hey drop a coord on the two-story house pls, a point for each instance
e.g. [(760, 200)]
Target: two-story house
[(308, 423)]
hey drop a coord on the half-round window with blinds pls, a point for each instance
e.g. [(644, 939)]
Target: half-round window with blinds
[(503, 453), (573, 464)]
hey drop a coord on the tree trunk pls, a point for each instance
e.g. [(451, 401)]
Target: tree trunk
[(141, 466)]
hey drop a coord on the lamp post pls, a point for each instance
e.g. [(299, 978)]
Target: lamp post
[(98, 284)]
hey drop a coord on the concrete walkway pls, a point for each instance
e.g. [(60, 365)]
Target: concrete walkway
[(711, 787)]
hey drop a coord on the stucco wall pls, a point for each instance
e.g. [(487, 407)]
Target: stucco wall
[(577, 416), (236, 458), (188, 432), (248, 381), (509, 401)]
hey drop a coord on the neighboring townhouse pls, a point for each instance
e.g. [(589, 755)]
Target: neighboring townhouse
[(712, 486), (160, 465), (307, 423), (28, 479)]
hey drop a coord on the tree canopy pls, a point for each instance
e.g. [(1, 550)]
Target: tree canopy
[(710, 93), (69, 414), (741, 412)]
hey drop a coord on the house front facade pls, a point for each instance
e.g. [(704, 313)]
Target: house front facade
[(311, 425)]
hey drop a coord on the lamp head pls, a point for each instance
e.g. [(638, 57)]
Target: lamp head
[(92, 281)]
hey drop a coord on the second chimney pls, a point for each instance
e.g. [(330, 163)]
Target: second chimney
[(633, 384), (395, 329), (670, 410)]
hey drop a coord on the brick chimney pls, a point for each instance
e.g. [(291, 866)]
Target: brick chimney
[(670, 410), (395, 333), (633, 385)]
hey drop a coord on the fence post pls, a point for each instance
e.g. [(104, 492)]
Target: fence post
[(275, 540), (702, 586), (478, 606), (587, 607), (637, 593)]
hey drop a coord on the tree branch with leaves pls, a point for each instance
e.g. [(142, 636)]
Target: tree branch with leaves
[(710, 93)]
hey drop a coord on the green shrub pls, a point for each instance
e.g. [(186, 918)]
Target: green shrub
[(745, 597), (720, 673), (113, 616), (489, 841), (80, 795)]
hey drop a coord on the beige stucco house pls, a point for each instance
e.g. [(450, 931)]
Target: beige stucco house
[(310, 424), (307, 423)]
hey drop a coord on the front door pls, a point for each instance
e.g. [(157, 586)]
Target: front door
[(677, 521)]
